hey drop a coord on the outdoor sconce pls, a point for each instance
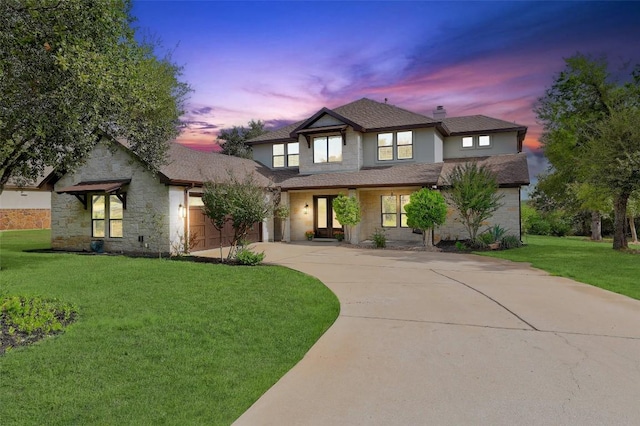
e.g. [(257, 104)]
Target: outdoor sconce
[(306, 209), (182, 211)]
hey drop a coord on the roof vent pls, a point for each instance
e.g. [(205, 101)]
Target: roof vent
[(439, 113)]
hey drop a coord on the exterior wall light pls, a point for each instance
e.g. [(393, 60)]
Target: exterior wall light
[(306, 208), (182, 211)]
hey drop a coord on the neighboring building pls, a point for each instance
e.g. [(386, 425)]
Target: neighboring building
[(376, 152), (380, 154), (25, 207)]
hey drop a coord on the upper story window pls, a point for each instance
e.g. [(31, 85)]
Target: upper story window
[(286, 155), (401, 141), (106, 210), (327, 149), (482, 141)]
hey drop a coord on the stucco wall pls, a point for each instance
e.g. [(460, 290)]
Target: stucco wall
[(147, 214), (501, 143), (425, 149), (25, 199), (508, 217), (263, 154)]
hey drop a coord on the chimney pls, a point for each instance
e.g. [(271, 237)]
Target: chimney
[(439, 113)]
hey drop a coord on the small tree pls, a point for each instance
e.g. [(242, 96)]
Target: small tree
[(281, 212), (473, 191), (216, 206), (347, 210), (242, 202), (425, 210)]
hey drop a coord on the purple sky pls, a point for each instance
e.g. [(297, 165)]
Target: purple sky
[(283, 61)]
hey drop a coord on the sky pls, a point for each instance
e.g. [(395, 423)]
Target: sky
[(283, 61)]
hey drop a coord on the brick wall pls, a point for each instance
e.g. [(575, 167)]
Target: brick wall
[(25, 219)]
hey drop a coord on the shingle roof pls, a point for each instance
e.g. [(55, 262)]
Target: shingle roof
[(375, 115), (510, 169), (188, 165), (478, 123), (370, 115)]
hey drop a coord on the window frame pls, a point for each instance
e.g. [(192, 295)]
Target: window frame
[(473, 144), (480, 138), (403, 213), (395, 146), (107, 220), (383, 213), (327, 152), (296, 154), (280, 156)]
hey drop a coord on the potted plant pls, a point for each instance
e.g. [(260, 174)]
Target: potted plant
[(338, 235), (309, 235)]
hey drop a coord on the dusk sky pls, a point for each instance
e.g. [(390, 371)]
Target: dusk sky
[(283, 61)]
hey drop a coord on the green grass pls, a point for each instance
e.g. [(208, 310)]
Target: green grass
[(156, 341), (589, 262)]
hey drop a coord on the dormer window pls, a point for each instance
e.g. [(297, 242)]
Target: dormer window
[(286, 155), (327, 149), (395, 146), (482, 141)]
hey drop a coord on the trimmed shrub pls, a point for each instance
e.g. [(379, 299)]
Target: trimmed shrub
[(509, 242), (246, 256)]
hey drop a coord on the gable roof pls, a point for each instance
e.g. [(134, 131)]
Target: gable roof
[(366, 115), (188, 166), (511, 170)]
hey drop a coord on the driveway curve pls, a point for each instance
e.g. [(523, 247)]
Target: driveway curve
[(448, 339)]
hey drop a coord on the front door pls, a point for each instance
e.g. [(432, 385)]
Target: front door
[(325, 222)]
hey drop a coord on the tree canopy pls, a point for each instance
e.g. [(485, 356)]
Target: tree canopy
[(347, 210), (71, 73), (233, 140), (591, 134), (425, 210)]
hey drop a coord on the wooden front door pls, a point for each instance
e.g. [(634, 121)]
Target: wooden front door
[(325, 222)]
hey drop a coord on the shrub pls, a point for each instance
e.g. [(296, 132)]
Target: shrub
[(559, 225), (497, 232), (486, 238), (248, 257), (509, 242), (539, 226), (379, 238), (35, 315), (338, 235), (461, 246)]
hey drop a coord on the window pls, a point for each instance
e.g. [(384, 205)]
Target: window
[(327, 149), (403, 142), (293, 154), (405, 145), (106, 209), (278, 155), (404, 200), (290, 158), (467, 142), (389, 211), (484, 141), (385, 146)]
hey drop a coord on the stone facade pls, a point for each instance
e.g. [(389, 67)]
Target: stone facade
[(507, 216), (25, 219), (147, 219), (351, 155)]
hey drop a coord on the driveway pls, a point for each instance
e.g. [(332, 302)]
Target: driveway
[(447, 339)]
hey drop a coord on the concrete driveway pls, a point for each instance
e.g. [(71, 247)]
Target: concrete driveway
[(445, 339)]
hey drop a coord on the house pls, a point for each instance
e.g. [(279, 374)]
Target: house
[(115, 200), (380, 154), (374, 151), (25, 206)]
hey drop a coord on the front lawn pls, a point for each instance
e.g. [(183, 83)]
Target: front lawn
[(582, 260), (155, 341)]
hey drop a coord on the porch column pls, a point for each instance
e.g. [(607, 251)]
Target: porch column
[(286, 226), (355, 230)]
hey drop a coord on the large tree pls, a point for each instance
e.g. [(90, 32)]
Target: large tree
[(233, 140), (589, 131), (71, 73)]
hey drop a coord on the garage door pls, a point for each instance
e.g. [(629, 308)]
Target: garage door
[(208, 237)]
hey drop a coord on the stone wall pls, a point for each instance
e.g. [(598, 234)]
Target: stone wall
[(146, 217), (25, 219), (351, 155), (371, 207), (508, 217)]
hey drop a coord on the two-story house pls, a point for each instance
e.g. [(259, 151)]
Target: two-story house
[(376, 152), (380, 154)]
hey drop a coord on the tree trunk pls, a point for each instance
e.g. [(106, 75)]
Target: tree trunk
[(632, 226), (596, 226), (619, 221)]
